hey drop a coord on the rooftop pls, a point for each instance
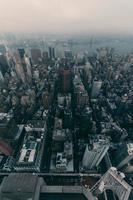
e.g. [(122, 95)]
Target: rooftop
[(19, 183)]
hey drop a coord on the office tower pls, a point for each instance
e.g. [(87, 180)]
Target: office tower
[(87, 72), (94, 153), (28, 68), (51, 52), (65, 79), (19, 68), (85, 122), (96, 87), (80, 93), (23, 66), (36, 56), (81, 96)]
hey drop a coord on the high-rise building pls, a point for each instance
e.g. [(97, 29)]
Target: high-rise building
[(81, 94), (23, 66), (51, 52), (96, 87), (36, 56), (65, 79), (28, 68), (3, 64), (94, 153), (46, 98), (87, 72), (19, 68)]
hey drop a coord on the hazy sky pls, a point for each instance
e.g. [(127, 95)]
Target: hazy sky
[(66, 16)]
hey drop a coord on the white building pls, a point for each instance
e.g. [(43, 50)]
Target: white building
[(94, 154)]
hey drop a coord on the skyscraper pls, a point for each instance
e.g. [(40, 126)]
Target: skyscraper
[(65, 79), (94, 153), (19, 68), (36, 56), (51, 52), (96, 88)]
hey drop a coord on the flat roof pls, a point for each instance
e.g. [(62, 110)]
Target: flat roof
[(19, 182)]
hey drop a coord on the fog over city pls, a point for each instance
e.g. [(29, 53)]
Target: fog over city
[(66, 16)]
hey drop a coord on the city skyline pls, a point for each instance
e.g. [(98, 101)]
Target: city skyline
[(66, 100)]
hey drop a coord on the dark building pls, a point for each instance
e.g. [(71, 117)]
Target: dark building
[(20, 187), (46, 98), (10, 134), (67, 118), (51, 52), (5, 148), (36, 56), (65, 80), (8, 126), (21, 53), (28, 186), (3, 64)]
